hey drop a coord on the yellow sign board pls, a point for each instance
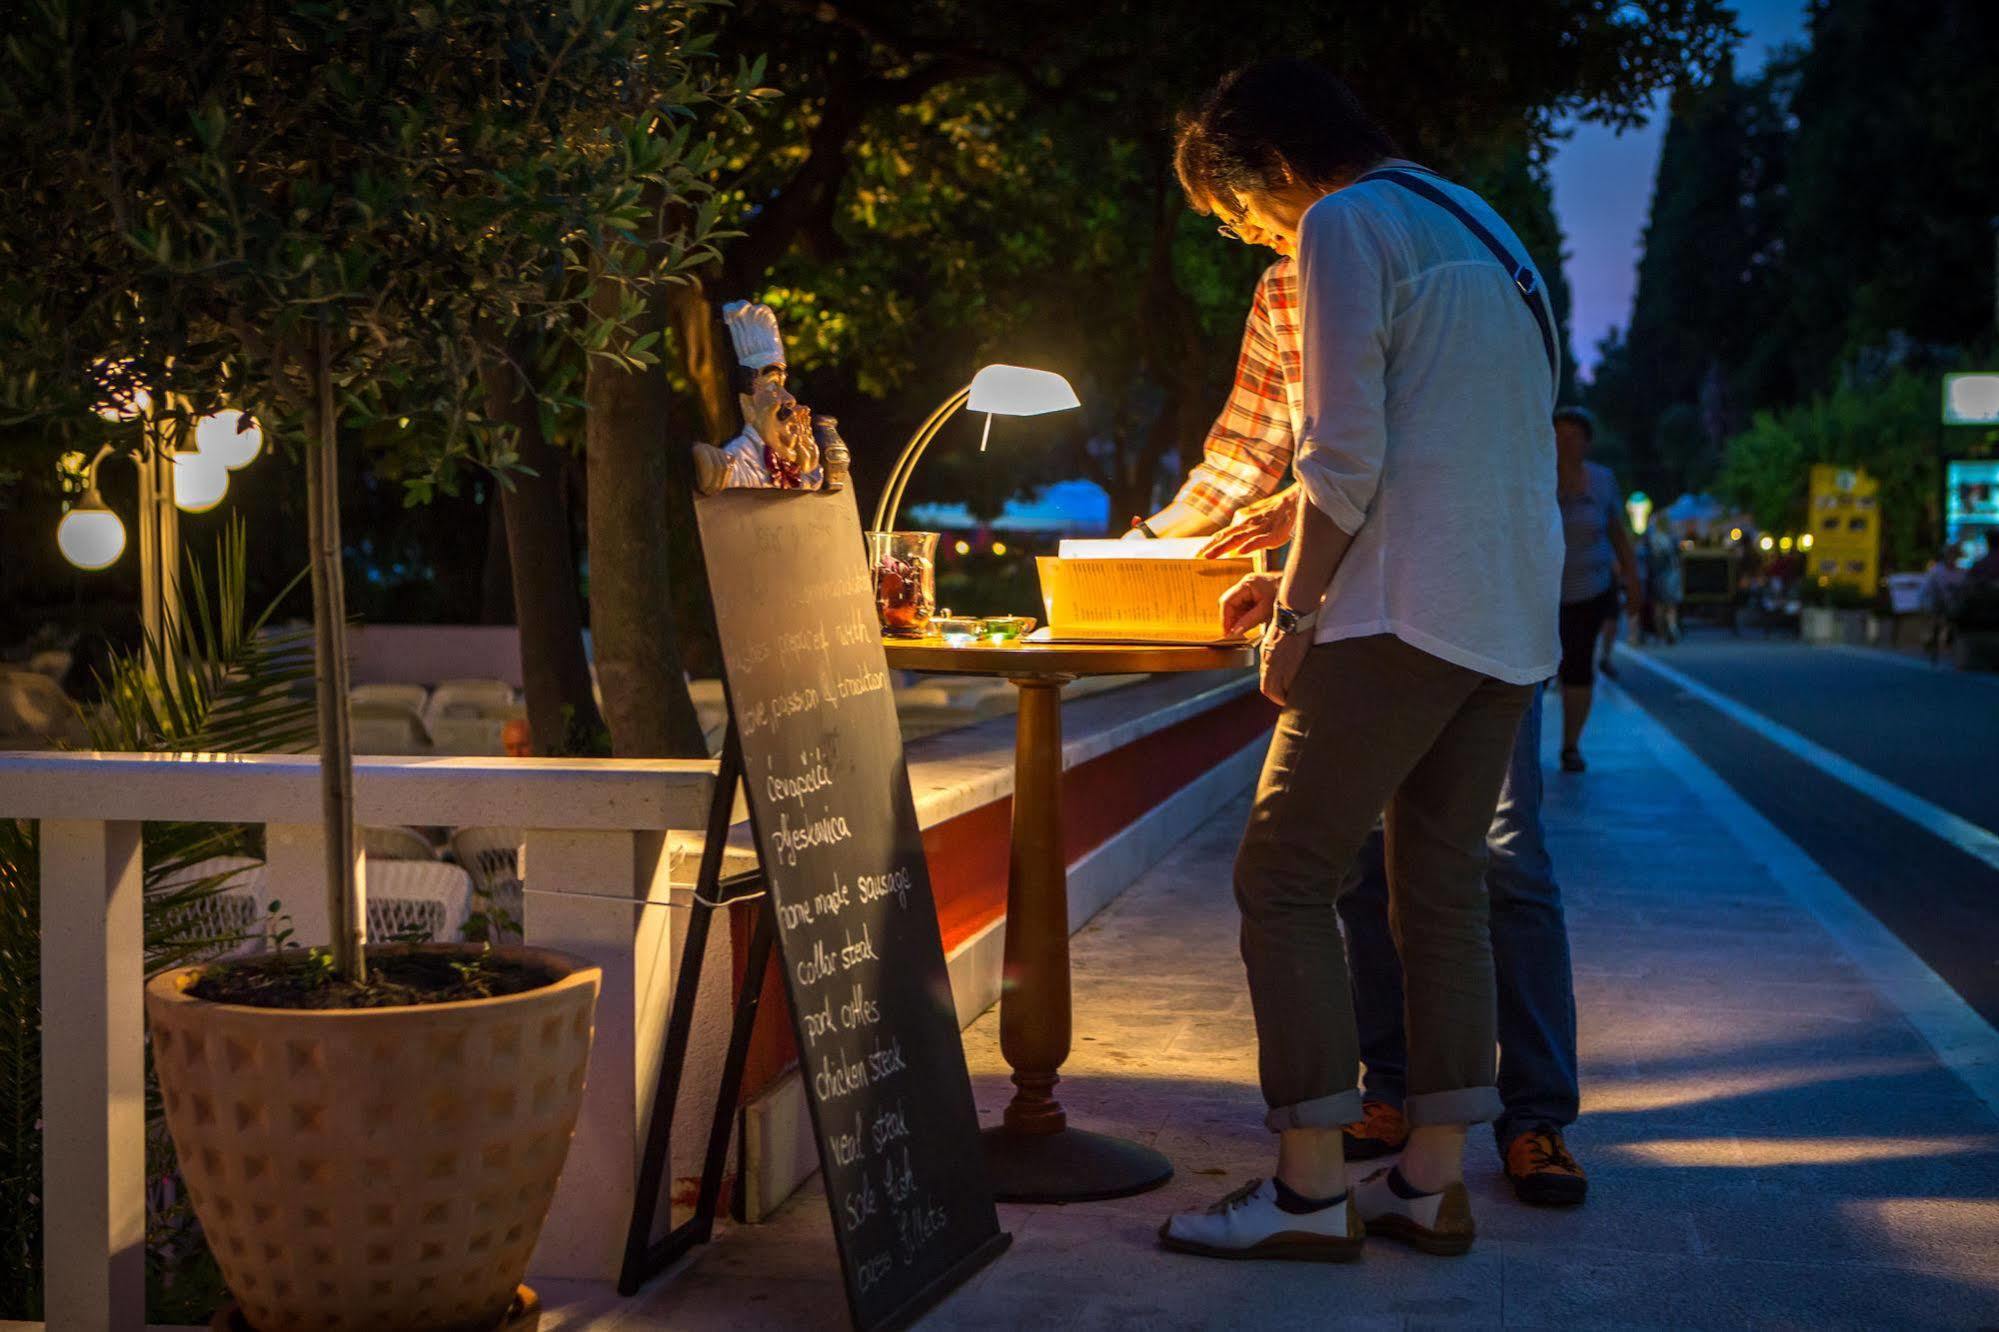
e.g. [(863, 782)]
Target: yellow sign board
[(1845, 523)]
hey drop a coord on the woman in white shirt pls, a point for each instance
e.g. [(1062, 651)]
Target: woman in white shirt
[(1414, 614)]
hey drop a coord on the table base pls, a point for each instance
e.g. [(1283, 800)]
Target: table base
[(1071, 1165)]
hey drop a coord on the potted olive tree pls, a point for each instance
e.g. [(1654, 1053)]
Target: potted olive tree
[(326, 215)]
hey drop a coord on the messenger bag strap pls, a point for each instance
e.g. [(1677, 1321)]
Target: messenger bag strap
[(1521, 273)]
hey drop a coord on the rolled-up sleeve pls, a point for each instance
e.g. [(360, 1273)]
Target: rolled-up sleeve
[(1345, 288)]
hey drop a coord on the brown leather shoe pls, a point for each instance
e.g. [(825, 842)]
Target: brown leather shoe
[(1382, 1132), (1543, 1172)]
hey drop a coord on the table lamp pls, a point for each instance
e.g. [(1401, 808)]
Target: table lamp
[(997, 390)]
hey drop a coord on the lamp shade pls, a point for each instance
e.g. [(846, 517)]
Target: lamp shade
[(230, 438), (90, 536), (1015, 390), (200, 481)]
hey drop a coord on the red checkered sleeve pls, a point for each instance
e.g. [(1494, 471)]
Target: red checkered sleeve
[(1248, 449)]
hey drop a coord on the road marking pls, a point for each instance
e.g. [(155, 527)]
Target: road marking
[(1943, 668), (1964, 1042), (1961, 833)]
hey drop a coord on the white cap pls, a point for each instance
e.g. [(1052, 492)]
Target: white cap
[(753, 328)]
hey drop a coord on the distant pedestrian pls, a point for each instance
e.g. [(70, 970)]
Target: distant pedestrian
[(1599, 554), (1987, 569), (1659, 558)]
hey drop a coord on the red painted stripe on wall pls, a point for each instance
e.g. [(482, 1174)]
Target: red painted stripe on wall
[(968, 853)]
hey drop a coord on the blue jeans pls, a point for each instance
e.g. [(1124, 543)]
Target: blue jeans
[(1530, 957)]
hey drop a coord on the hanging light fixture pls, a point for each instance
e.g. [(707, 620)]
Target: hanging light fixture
[(200, 481), (90, 536), (230, 438)]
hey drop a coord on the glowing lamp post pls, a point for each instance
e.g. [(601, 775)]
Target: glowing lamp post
[(191, 480)]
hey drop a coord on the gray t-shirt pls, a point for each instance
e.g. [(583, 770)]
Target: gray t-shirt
[(1590, 561)]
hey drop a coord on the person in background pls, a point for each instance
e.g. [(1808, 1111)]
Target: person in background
[(1987, 568), (1599, 554), (1608, 638), (1664, 585), (516, 738), (1415, 614)]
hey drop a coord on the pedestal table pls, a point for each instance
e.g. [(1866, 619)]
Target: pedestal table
[(1035, 1155)]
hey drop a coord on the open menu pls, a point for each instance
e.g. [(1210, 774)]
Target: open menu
[(1136, 592)]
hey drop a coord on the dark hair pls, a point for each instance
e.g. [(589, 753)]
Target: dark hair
[(1580, 416), (1269, 117)]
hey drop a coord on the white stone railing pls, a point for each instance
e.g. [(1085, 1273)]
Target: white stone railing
[(596, 881)]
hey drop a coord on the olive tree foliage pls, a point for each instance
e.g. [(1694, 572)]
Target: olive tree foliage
[(326, 214), (947, 182)]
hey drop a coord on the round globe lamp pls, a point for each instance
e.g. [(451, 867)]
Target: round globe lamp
[(230, 438), (90, 536), (200, 482)]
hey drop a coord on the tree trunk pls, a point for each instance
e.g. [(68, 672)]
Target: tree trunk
[(703, 357), (345, 910), (631, 563), (496, 578), (562, 713)]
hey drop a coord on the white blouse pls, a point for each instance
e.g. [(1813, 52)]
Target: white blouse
[(1428, 432)]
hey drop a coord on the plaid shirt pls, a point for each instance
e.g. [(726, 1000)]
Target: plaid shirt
[(1249, 447)]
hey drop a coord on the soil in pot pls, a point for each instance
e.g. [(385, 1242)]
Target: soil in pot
[(301, 979)]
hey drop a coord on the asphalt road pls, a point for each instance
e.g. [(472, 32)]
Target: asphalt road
[(1935, 734)]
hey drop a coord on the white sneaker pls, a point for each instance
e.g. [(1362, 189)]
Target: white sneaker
[(1249, 1224), (1439, 1223)]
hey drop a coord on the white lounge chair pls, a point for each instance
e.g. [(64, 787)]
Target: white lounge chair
[(410, 899), (395, 844), (232, 917)]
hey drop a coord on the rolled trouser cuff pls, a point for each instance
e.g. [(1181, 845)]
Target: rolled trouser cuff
[(1324, 1112), (1466, 1105)]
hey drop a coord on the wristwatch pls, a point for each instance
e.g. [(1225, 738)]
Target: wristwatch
[(1291, 621)]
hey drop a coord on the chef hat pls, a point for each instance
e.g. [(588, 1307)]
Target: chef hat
[(753, 328)]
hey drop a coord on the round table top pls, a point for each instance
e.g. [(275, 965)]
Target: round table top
[(1025, 659)]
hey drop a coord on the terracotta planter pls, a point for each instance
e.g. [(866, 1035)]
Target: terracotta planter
[(374, 1168)]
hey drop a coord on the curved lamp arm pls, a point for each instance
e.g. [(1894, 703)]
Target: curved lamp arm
[(898, 477)]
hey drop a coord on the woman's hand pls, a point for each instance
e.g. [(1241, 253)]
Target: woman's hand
[(1248, 604), (1264, 525), (1283, 655)]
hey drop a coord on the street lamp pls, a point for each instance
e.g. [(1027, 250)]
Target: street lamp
[(90, 536), (229, 437), (997, 390), (200, 481), (192, 480)]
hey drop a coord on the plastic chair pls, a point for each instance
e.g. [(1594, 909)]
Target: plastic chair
[(470, 699), (410, 696), (417, 899), (395, 844), (387, 727), (232, 916), (468, 735)]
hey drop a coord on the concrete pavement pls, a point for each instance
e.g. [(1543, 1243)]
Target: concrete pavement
[(1771, 1140)]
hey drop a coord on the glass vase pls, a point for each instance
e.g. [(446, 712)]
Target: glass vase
[(905, 565)]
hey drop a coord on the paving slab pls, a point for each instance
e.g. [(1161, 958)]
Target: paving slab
[(1771, 1141)]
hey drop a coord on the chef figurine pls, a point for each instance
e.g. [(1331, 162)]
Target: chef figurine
[(776, 448)]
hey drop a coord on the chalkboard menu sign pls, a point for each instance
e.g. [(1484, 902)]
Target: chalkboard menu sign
[(829, 800)]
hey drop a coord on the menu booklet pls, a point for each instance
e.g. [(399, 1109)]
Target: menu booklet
[(1137, 592)]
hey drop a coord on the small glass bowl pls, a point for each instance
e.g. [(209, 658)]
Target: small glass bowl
[(1006, 628)]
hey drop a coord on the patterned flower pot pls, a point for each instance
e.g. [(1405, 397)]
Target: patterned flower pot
[(375, 1168)]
